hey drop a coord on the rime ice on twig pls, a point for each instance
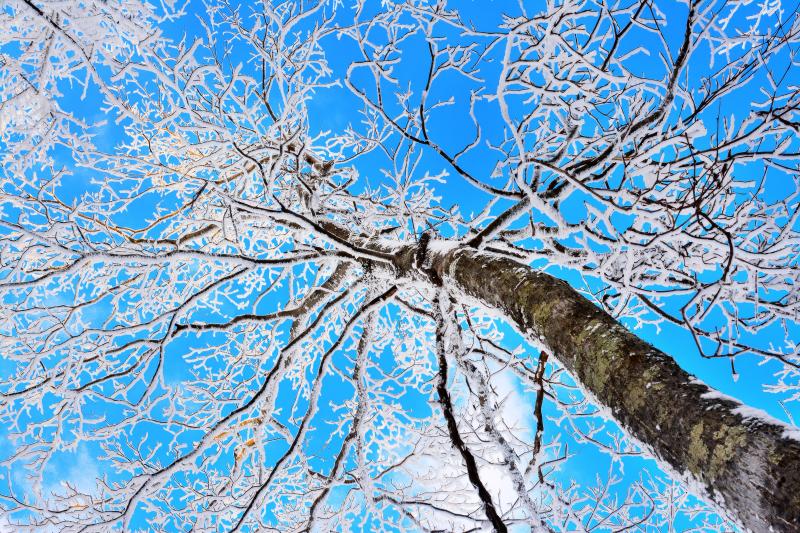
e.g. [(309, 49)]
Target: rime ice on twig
[(209, 311)]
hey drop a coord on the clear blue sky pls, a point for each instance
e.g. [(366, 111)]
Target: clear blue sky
[(332, 110)]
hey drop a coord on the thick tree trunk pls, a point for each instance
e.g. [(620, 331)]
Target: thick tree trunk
[(747, 464)]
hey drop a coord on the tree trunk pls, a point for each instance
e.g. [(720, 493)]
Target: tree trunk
[(748, 464)]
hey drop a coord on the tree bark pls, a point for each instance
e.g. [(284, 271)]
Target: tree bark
[(749, 465)]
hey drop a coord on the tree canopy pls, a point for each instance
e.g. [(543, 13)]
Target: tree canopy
[(317, 265)]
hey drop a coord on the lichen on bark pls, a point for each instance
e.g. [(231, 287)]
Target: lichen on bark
[(748, 466), (698, 451)]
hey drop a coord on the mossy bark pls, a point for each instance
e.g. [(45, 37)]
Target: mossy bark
[(746, 464)]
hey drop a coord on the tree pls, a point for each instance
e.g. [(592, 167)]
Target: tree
[(268, 317)]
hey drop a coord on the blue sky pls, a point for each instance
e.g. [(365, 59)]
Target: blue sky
[(333, 109)]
